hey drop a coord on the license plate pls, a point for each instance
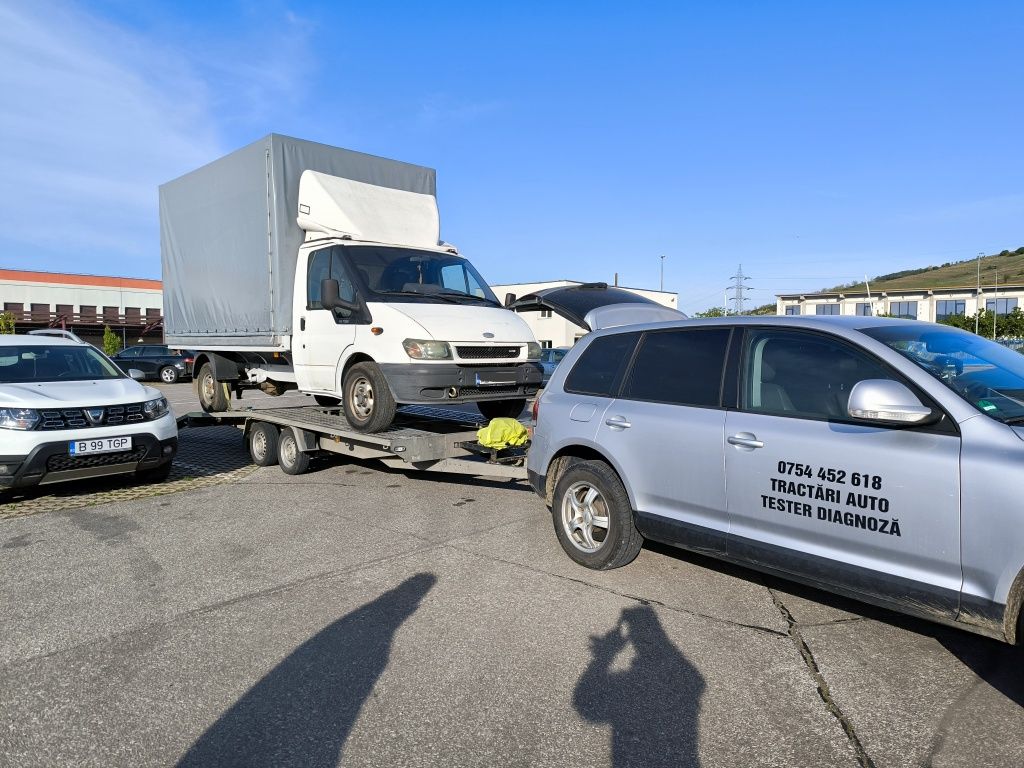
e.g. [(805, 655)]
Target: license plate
[(99, 445), (495, 379)]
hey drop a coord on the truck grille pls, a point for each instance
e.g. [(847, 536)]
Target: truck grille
[(100, 416), (483, 353), (62, 463)]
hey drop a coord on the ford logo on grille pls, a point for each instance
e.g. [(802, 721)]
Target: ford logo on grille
[(488, 335), (94, 415)]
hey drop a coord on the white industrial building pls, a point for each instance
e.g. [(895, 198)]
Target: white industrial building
[(553, 330), (933, 304)]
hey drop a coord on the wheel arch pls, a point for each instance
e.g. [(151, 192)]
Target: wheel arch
[(354, 359), (1013, 618), (225, 367), (568, 455)]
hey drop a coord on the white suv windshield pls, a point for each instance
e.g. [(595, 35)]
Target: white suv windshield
[(986, 374), (35, 363)]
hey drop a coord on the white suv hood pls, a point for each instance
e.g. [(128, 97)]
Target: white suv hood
[(71, 394)]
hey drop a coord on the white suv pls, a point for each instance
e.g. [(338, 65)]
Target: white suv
[(67, 413)]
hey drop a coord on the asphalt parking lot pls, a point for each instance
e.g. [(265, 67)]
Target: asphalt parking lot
[(368, 617)]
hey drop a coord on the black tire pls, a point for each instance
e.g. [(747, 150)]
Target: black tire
[(501, 409), (327, 401), (213, 394), (292, 460), (263, 439), (168, 374), (367, 400), (619, 543), (154, 475)]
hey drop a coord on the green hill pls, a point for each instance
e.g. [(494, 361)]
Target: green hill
[(1009, 265)]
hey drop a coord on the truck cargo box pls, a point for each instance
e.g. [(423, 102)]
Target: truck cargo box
[(229, 235)]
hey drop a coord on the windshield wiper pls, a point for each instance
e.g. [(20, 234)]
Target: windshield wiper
[(1014, 420), (473, 298), (418, 295)]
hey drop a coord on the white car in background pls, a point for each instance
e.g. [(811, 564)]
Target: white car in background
[(68, 413)]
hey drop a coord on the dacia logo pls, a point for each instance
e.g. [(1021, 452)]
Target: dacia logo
[(94, 415)]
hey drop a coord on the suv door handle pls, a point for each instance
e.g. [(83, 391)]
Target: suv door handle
[(745, 440), (617, 422)]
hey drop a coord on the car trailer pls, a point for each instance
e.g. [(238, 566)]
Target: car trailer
[(421, 439)]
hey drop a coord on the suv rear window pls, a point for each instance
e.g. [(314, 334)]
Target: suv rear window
[(599, 369), (682, 367)]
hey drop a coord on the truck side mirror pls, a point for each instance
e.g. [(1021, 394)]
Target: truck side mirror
[(330, 298), (509, 298)]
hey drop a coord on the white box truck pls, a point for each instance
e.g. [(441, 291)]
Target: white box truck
[(294, 265)]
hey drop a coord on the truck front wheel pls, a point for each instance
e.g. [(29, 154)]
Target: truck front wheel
[(213, 394), (501, 409), (367, 400)]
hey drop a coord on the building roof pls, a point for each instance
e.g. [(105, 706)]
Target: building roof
[(91, 281), (579, 282), (987, 289)]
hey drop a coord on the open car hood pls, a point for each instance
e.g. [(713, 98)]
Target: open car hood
[(594, 306)]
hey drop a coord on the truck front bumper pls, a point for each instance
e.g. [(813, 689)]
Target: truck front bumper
[(51, 463), (422, 384)]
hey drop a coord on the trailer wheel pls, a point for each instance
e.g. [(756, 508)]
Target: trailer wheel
[(291, 458), (213, 394), (263, 439), (501, 409), (593, 518), (368, 404)]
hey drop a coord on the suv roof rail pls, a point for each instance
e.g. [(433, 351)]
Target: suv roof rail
[(60, 332)]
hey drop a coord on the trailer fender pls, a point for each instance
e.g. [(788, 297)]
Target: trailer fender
[(307, 441)]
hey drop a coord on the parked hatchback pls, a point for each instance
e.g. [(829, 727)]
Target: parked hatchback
[(157, 361), (68, 413), (878, 458)]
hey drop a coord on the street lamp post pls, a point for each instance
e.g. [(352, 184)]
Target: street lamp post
[(977, 309), (663, 272)]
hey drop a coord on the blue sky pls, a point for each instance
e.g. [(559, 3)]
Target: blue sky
[(811, 142)]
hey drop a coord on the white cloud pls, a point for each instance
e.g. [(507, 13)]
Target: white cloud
[(96, 116)]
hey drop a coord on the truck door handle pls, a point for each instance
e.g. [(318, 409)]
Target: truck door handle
[(302, 323), (745, 440), (617, 422)]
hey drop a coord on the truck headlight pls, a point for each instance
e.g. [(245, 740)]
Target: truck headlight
[(156, 408), (533, 351), (18, 418), (419, 349)]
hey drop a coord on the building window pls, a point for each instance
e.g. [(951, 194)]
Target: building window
[(545, 313), (793, 309), (132, 314), (14, 307), (1001, 306), (41, 312), (948, 308), (826, 309), (863, 309), (905, 309), (545, 345), (111, 314), (87, 313), (66, 311), (152, 313)]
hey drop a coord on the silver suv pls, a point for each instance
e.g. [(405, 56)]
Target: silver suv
[(878, 458)]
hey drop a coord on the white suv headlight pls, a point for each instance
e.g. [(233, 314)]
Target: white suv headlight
[(154, 409), (419, 349), (18, 418)]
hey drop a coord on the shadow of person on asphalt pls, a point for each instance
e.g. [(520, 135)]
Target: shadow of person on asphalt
[(640, 684), (302, 711)]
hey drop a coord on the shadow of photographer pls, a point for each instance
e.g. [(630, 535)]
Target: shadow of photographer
[(645, 689)]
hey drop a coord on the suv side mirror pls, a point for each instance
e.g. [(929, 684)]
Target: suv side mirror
[(330, 298), (136, 374), (887, 401), (509, 298)]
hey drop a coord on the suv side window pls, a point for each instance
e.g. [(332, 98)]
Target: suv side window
[(599, 369), (681, 367), (154, 351), (128, 353), (792, 373)]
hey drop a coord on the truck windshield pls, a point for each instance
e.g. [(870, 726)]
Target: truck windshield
[(35, 363), (987, 375), (407, 274)]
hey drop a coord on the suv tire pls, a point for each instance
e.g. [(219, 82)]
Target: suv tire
[(168, 374), (213, 394), (593, 518), (499, 409), (367, 400)]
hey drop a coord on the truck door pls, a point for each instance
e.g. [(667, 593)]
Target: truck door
[(321, 335), (866, 508), (666, 431)]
